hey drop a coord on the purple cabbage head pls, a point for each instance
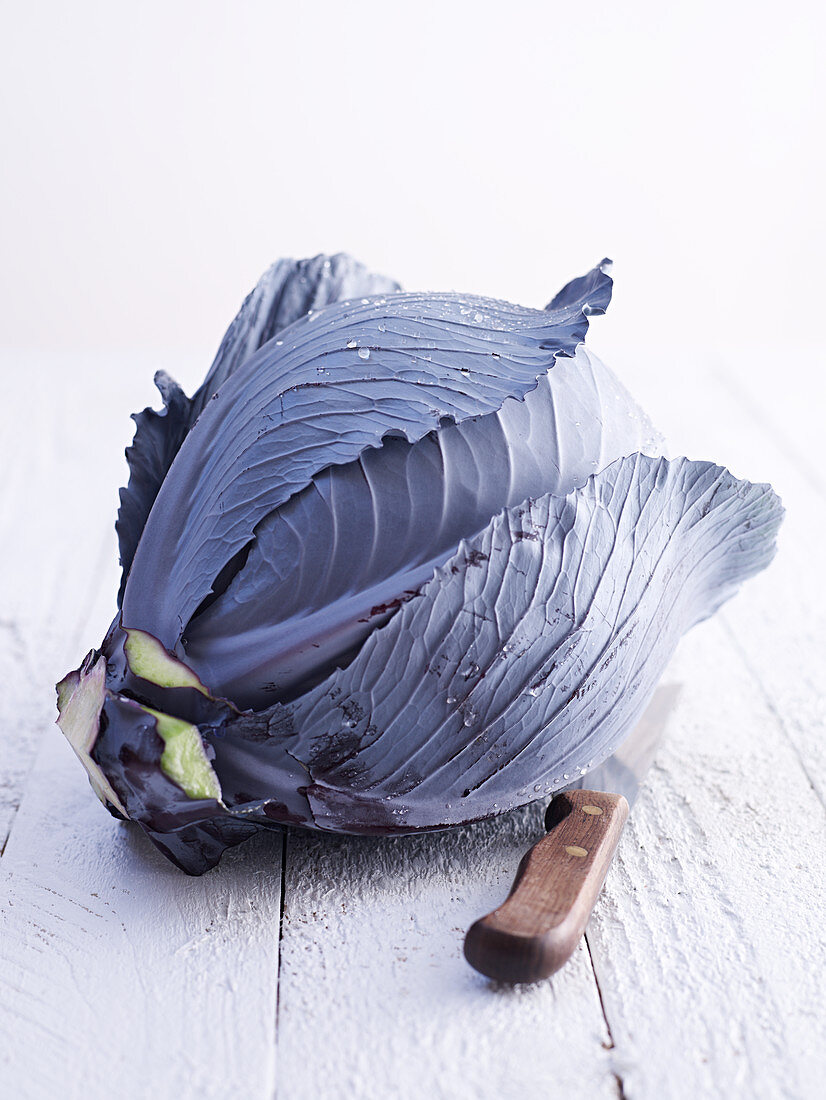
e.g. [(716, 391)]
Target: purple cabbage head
[(402, 562)]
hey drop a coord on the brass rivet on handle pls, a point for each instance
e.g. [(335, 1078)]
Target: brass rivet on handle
[(575, 850), (594, 810)]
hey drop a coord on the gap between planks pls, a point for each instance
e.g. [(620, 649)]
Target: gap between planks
[(782, 726), (617, 1077)]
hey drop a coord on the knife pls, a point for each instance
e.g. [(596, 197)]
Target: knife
[(534, 932)]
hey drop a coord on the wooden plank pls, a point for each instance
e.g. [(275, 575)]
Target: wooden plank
[(707, 945), (119, 974), (779, 622), (782, 636), (62, 462), (711, 920), (376, 999)]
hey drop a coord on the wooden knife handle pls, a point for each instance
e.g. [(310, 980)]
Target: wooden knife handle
[(535, 931)]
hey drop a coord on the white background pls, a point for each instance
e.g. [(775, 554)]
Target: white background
[(158, 156)]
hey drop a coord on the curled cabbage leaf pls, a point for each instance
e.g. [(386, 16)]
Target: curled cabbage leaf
[(404, 561)]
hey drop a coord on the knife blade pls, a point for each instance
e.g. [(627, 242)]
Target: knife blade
[(536, 929)]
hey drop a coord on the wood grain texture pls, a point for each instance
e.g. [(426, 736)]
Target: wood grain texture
[(722, 933), (535, 930), (376, 998), (781, 632), (744, 408), (62, 462), (119, 975), (707, 924)]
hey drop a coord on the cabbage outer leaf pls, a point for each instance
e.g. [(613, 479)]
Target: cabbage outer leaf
[(285, 292), (334, 384), (341, 556), (533, 651), (523, 664)]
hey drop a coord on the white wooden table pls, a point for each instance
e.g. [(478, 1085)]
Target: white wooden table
[(315, 967)]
